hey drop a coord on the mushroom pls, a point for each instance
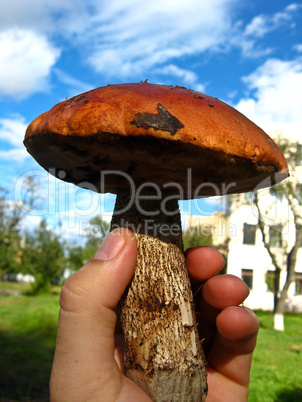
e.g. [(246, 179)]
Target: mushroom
[(153, 145)]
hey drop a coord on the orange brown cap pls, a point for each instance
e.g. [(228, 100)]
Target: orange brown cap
[(154, 133)]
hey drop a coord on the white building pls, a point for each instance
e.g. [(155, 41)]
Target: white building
[(247, 257)]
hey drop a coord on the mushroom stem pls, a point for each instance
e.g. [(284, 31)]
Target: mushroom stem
[(163, 353)]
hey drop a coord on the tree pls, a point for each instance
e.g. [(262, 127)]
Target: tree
[(11, 216), (194, 236), (282, 250), (42, 256), (9, 235), (96, 232)]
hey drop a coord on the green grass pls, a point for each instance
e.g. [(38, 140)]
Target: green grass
[(27, 340), (277, 363)]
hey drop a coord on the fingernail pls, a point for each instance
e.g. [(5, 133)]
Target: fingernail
[(111, 246)]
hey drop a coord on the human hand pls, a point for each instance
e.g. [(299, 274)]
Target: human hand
[(228, 329), (88, 358)]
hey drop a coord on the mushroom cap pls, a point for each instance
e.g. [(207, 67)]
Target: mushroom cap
[(130, 134)]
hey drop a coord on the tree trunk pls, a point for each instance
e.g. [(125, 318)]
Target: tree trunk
[(279, 321), (290, 277), (163, 354), (279, 315)]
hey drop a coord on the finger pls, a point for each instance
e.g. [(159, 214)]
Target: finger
[(218, 293), (85, 339), (224, 291), (203, 263), (233, 346)]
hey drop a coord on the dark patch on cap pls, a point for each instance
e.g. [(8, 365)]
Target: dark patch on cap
[(162, 121)]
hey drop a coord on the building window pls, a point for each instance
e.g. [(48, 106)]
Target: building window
[(247, 277), (249, 234), (275, 236), (298, 283)]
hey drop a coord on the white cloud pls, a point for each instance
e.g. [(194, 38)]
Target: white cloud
[(45, 16), (298, 47), (14, 155), (116, 38), (130, 39), (75, 86), (275, 92), (293, 7), (264, 23), (247, 37), (12, 132), (188, 77), (257, 27), (125, 39), (25, 63)]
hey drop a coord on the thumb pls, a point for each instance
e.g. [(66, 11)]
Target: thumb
[(85, 338)]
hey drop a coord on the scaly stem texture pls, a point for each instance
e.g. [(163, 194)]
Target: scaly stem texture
[(163, 353)]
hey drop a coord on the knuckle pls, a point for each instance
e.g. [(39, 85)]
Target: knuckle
[(73, 294)]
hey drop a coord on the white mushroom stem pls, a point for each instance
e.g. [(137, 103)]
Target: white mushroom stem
[(163, 353)]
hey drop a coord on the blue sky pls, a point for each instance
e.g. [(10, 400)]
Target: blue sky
[(247, 53)]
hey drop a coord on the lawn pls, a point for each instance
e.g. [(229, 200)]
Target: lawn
[(277, 363), (27, 340)]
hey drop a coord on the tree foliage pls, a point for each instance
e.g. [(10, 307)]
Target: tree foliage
[(42, 256), (40, 252), (11, 216), (193, 236), (9, 236), (96, 232)]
